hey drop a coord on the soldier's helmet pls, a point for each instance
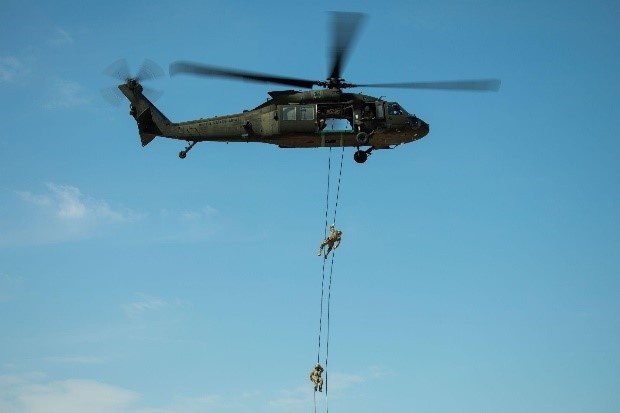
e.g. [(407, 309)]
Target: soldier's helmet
[(331, 226)]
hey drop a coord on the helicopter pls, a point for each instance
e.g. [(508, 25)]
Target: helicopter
[(311, 118)]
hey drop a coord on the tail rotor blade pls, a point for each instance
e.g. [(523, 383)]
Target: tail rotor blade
[(112, 95), (149, 71), (152, 94), (118, 70)]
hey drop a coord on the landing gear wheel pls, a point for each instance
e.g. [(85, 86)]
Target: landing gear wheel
[(360, 156), (182, 154)]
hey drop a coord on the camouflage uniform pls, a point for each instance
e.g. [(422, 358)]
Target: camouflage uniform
[(315, 377), (332, 241)]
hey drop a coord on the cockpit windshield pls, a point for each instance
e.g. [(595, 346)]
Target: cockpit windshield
[(395, 109)]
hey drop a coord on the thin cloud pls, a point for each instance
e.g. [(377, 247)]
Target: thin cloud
[(60, 37), (74, 359), (34, 394), (295, 399), (8, 287), (69, 396), (66, 94), (198, 215), (12, 69), (301, 398), (342, 381), (145, 303), (59, 214), (67, 202), (193, 225)]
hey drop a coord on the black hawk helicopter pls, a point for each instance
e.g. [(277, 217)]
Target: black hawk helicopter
[(327, 117)]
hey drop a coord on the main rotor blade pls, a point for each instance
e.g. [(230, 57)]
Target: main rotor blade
[(345, 26), (479, 85), (204, 70)]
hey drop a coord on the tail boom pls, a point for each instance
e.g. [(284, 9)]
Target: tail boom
[(151, 122)]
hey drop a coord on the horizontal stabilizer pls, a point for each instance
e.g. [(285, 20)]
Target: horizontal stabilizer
[(147, 127)]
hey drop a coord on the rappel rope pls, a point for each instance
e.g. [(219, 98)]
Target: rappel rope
[(331, 271)]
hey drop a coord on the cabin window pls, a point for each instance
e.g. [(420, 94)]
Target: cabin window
[(289, 113), (306, 112), (380, 114)]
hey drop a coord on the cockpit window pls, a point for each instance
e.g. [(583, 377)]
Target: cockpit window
[(395, 109)]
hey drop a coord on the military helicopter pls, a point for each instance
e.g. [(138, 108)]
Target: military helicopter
[(327, 117)]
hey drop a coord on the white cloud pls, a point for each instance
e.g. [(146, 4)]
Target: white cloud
[(189, 215), (23, 394), (61, 213), (60, 37), (296, 399), (8, 287), (380, 372), (67, 203), (205, 403), (144, 303), (12, 69), (193, 225), (301, 398), (34, 394), (66, 94), (74, 359), (341, 381)]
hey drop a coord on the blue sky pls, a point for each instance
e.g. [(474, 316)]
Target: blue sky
[(479, 269)]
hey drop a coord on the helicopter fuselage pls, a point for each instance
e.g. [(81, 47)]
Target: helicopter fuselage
[(290, 119)]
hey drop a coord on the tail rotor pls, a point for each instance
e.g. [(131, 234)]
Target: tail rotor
[(119, 70)]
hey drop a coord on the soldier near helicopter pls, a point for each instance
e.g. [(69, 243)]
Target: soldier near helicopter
[(315, 377), (332, 241)]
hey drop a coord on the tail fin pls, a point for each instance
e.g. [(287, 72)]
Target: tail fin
[(151, 122)]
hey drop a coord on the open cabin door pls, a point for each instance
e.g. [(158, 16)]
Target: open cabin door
[(335, 118)]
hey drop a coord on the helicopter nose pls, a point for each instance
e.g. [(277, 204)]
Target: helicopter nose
[(420, 127)]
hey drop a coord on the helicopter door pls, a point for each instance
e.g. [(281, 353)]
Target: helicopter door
[(297, 118), (335, 118)]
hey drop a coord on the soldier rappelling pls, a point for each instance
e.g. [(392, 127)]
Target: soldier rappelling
[(315, 377), (332, 241)]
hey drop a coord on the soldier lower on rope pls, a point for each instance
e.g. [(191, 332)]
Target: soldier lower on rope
[(315, 377), (332, 241)]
